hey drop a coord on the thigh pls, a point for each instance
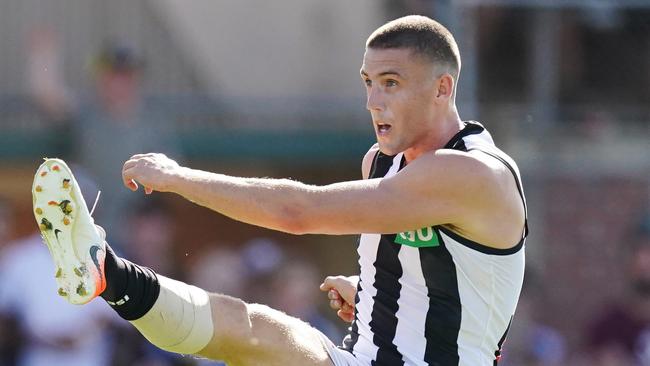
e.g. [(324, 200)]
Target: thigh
[(339, 356), (256, 335)]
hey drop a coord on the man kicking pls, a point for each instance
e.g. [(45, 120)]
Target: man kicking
[(441, 213)]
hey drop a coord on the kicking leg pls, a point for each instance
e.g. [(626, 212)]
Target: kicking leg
[(172, 315), (185, 319)]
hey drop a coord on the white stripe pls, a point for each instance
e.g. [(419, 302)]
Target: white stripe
[(413, 300), (367, 255), (488, 286), (475, 299), (397, 161), (365, 349)]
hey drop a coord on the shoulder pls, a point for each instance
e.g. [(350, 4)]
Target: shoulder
[(466, 179), (457, 165), (366, 163)]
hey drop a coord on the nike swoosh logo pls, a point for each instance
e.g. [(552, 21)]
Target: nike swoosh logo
[(56, 233), (93, 255)]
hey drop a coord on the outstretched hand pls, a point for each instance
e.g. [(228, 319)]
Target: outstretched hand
[(154, 171), (341, 292)]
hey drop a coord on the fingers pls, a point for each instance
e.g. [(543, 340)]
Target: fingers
[(128, 178), (344, 309), (135, 159), (129, 163), (330, 282), (345, 316), (333, 295), (145, 169), (128, 173), (327, 284), (132, 185), (347, 308), (336, 302)]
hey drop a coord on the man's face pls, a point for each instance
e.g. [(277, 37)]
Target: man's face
[(401, 89)]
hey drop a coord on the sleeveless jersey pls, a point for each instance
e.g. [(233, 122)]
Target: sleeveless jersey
[(431, 296)]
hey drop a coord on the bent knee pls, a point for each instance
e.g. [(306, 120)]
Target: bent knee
[(254, 334), (231, 319), (290, 339), (233, 332)]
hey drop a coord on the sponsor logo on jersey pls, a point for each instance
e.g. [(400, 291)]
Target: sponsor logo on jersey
[(420, 238)]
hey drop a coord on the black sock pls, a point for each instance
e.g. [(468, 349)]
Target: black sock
[(131, 290)]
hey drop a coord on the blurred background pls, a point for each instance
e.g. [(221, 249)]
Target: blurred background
[(259, 88)]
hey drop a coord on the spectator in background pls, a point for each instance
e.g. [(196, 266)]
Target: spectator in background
[(262, 258), (294, 290), (107, 126), (5, 222), (220, 269), (152, 236), (620, 335), (48, 324), (39, 328), (10, 334), (151, 232), (289, 284), (262, 272)]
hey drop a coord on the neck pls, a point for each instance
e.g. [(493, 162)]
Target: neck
[(440, 134)]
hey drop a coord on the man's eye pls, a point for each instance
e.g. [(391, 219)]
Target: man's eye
[(391, 82), (368, 82)]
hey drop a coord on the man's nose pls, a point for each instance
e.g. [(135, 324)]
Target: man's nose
[(375, 100)]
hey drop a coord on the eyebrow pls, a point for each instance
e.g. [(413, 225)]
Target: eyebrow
[(384, 73)]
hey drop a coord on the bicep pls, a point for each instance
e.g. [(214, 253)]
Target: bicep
[(430, 191)]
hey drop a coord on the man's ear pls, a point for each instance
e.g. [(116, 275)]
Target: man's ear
[(445, 86)]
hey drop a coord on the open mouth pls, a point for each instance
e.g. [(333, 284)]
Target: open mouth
[(383, 128)]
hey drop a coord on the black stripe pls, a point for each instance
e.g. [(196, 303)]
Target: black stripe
[(497, 353), (480, 247), (444, 313), (374, 165), (460, 145), (382, 164), (388, 271), (353, 336), (383, 323), (471, 128)]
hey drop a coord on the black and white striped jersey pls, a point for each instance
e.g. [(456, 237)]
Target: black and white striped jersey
[(431, 296)]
